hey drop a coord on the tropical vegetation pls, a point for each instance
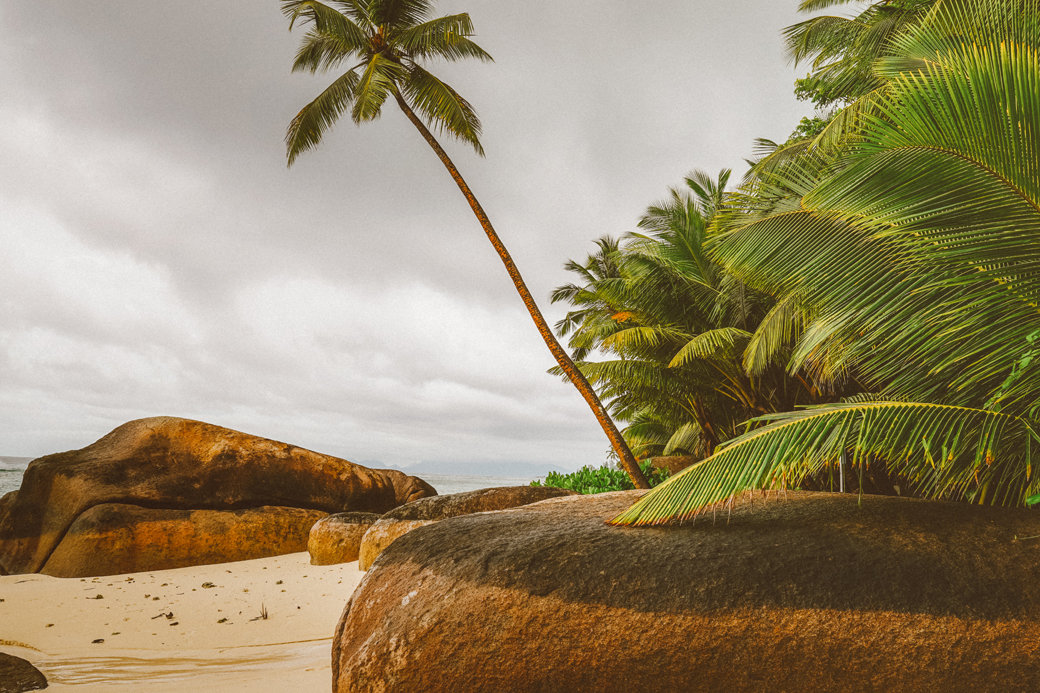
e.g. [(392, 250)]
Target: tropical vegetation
[(696, 352), (602, 479), (383, 44), (844, 50), (902, 240), (862, 306)]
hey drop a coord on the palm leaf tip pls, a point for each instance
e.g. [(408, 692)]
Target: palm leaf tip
[(660, 506), (291, 10), (297, 140), (307, 128)]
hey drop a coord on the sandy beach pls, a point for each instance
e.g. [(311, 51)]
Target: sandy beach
[(200, 628)]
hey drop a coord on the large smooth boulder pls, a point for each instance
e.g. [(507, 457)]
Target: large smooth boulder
[(18, 675), (337, 538), (115, 538), (818, 592), (424, 511), (178, 464)]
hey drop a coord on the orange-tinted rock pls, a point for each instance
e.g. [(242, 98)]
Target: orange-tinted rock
[(380, 535), (405, 518), (116, 538), (6, 501), (172, 463), (337, 538), (815, 593), (468, 502)]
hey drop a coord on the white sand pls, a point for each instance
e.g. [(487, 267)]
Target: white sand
[(52, 622)]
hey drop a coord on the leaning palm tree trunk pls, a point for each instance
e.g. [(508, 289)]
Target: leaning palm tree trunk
[(627, 460)]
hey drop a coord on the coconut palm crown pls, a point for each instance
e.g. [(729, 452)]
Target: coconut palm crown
[(381, 43)]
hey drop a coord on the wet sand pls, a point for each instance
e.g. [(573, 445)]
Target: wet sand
[(200, 629)]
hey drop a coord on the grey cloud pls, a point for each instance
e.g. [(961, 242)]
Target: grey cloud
[(350, 304)]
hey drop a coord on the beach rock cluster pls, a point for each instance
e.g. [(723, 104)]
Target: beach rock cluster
[(361, 537), (812, 591), (167, 492), (404, 518), (18, 675)]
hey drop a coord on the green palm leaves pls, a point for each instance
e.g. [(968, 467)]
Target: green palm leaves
[(382, 43), (844, 50), (915, 249), (948, 451), (676, 327)]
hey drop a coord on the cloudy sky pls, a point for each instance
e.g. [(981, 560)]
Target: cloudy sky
[(157, 256)]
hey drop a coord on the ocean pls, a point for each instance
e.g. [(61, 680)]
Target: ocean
[(10, 480), (12, 468), (457, 483)]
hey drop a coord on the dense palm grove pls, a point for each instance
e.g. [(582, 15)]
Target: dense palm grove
[(697, 352), (864, 304)]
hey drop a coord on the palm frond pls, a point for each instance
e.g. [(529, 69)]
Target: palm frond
[(640, 338), (846, 124), (445, 37), (319, 51), (443, 106), (844, 50), (376, 83), (685, 439), (777, 332), (814, 5), (359, 11), (974, 217), (951, 451), (306, 129), (721, 344), (709, 191), (328, 22), (397, 14), (826, 34)]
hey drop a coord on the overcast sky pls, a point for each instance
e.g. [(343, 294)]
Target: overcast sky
[(157, 256)]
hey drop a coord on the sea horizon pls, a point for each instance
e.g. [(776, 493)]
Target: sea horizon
[(11, 473)]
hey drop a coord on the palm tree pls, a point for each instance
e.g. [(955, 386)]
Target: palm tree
[(383, 43), (915, 248)]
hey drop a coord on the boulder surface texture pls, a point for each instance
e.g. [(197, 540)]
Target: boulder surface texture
[(405, 518), (117, 538), (337, 538), (18, 675), (167, 463), (815, 592)]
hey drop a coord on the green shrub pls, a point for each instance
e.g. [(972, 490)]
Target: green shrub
[(601, 479)]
